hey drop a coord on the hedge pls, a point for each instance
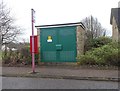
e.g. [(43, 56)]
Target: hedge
[(105, 55)]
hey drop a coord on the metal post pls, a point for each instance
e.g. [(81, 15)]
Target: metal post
[(33, 55)]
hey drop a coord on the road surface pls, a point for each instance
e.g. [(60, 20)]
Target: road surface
[(46, 83)]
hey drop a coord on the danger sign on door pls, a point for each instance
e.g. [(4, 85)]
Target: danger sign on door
[(49, 39)]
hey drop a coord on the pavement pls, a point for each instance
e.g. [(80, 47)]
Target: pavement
[(76, 73)]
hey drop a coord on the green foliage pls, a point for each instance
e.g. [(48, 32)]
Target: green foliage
[(22, 56), (25, 55), (86, 60), (105, 55), (96, 42)]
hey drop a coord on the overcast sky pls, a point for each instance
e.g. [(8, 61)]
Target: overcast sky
[(60, 11)]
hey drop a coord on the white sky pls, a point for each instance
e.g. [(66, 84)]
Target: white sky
[(60, 11)]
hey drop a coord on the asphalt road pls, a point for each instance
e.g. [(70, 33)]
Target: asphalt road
[(46, 83)]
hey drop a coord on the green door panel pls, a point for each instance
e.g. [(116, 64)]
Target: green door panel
[(67, 56), (67, 37), (58, 44), (49, 56), (48, 50)]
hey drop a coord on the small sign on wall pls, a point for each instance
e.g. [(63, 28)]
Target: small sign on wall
[(49, 39)]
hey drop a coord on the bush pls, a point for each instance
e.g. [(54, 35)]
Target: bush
[(96, 42), (113, 58), (26, 56), (105, 55), (87, 60), (11, 57), (21, 56)]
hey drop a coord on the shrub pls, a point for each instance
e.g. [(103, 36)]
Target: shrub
[(87, 60), (113, 58), (26, 56), (9, 57), (21, 56), (96, 42), (105, 55)]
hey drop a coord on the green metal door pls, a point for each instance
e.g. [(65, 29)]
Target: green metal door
[(58, 44)]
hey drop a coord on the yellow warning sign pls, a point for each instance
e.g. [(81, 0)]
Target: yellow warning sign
[(49, 39)]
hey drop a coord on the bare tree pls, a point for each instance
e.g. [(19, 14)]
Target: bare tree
[(8, 30), (93, 27), (93, 30)]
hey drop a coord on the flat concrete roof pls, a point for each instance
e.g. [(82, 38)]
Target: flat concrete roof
[(62, 25)]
